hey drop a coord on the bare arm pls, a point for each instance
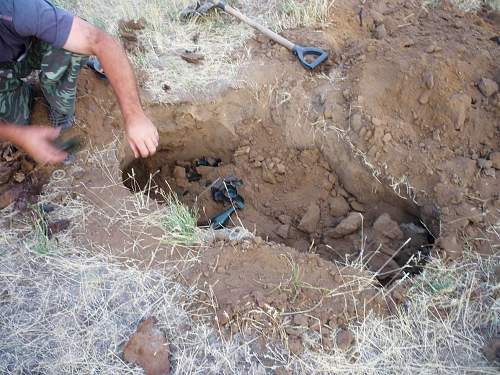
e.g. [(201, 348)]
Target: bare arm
[(37, 141), (87, 39)]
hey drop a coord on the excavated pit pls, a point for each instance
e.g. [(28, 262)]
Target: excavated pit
[(293, 195)]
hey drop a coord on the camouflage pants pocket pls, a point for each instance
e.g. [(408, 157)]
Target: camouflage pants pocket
[(15, 98)]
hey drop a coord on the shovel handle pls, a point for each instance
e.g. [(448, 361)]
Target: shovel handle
[(264, 30)]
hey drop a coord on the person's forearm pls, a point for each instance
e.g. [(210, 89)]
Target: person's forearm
[(10, 132), (117, 67)]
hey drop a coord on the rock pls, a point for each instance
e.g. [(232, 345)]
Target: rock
[(385, 226), (192, 57), (19, 177), (301, 320), (5, 173), (448, 194), (424, 98), (281, 168), (344, 339), (242, 151), (449, 245), (356, 206), (267, 175), (285, 219), (492, 349), (387, 138), (347, 226), (283, 231), (428, 79), (10, 195), (339, 206), (484, 163), (149, 349), (459, 106), (380, 32), (433, 48), (179, 172), (356, 122), (487, 86), (310, 220), (490, 172), (495, 160)]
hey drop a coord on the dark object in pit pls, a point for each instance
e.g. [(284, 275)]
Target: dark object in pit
[(226, 191)]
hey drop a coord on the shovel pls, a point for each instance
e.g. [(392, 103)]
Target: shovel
[(309, 57)]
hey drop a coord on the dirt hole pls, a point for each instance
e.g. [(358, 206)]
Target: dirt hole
[(292, 196)]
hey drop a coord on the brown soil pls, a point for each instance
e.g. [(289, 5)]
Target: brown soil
[(402, 127)]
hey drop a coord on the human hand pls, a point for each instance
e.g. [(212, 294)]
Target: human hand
[(142, 136), (37, 141)]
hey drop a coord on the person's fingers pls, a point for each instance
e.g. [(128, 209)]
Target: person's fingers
[(143, 149), (134, 148), (150, 144), (52, 133)]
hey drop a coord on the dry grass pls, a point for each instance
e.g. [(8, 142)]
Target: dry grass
[(218, 37), (69, 309)]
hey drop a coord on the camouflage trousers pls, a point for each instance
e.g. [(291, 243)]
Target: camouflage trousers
[(58, 76)]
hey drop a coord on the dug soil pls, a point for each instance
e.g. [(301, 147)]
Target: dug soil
[(386, 154)]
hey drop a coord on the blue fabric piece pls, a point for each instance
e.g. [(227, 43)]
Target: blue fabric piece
[(23, 20)]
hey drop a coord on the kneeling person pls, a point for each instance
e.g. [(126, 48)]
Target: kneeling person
[(36, 35)]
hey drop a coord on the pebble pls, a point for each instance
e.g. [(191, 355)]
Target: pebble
[(376, 121), (380, 32), (347, 226), (428, 78), (387, 138), (311, 218), (283, 231), (487, 86), (339, 206), (424, 98), (344, 339)]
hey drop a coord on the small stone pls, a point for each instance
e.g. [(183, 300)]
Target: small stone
[(424, 98), (356, 122), (490, 172), (339, 206), (285, 219), (5, 173), (344, 339), (267, 175), (385, 226), (387, 138), (283, 231), (179, 172), (19, 177), (484, 163), (10, 195), (149, 349), (495, 160), (487, 86), (281, 168), (428, 79), (192, 57), (459, 105), (383, 266), (242, 151), (310, 220), (58, 226), (380, 32), (356, 206), (300, 320), (347, 226)]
